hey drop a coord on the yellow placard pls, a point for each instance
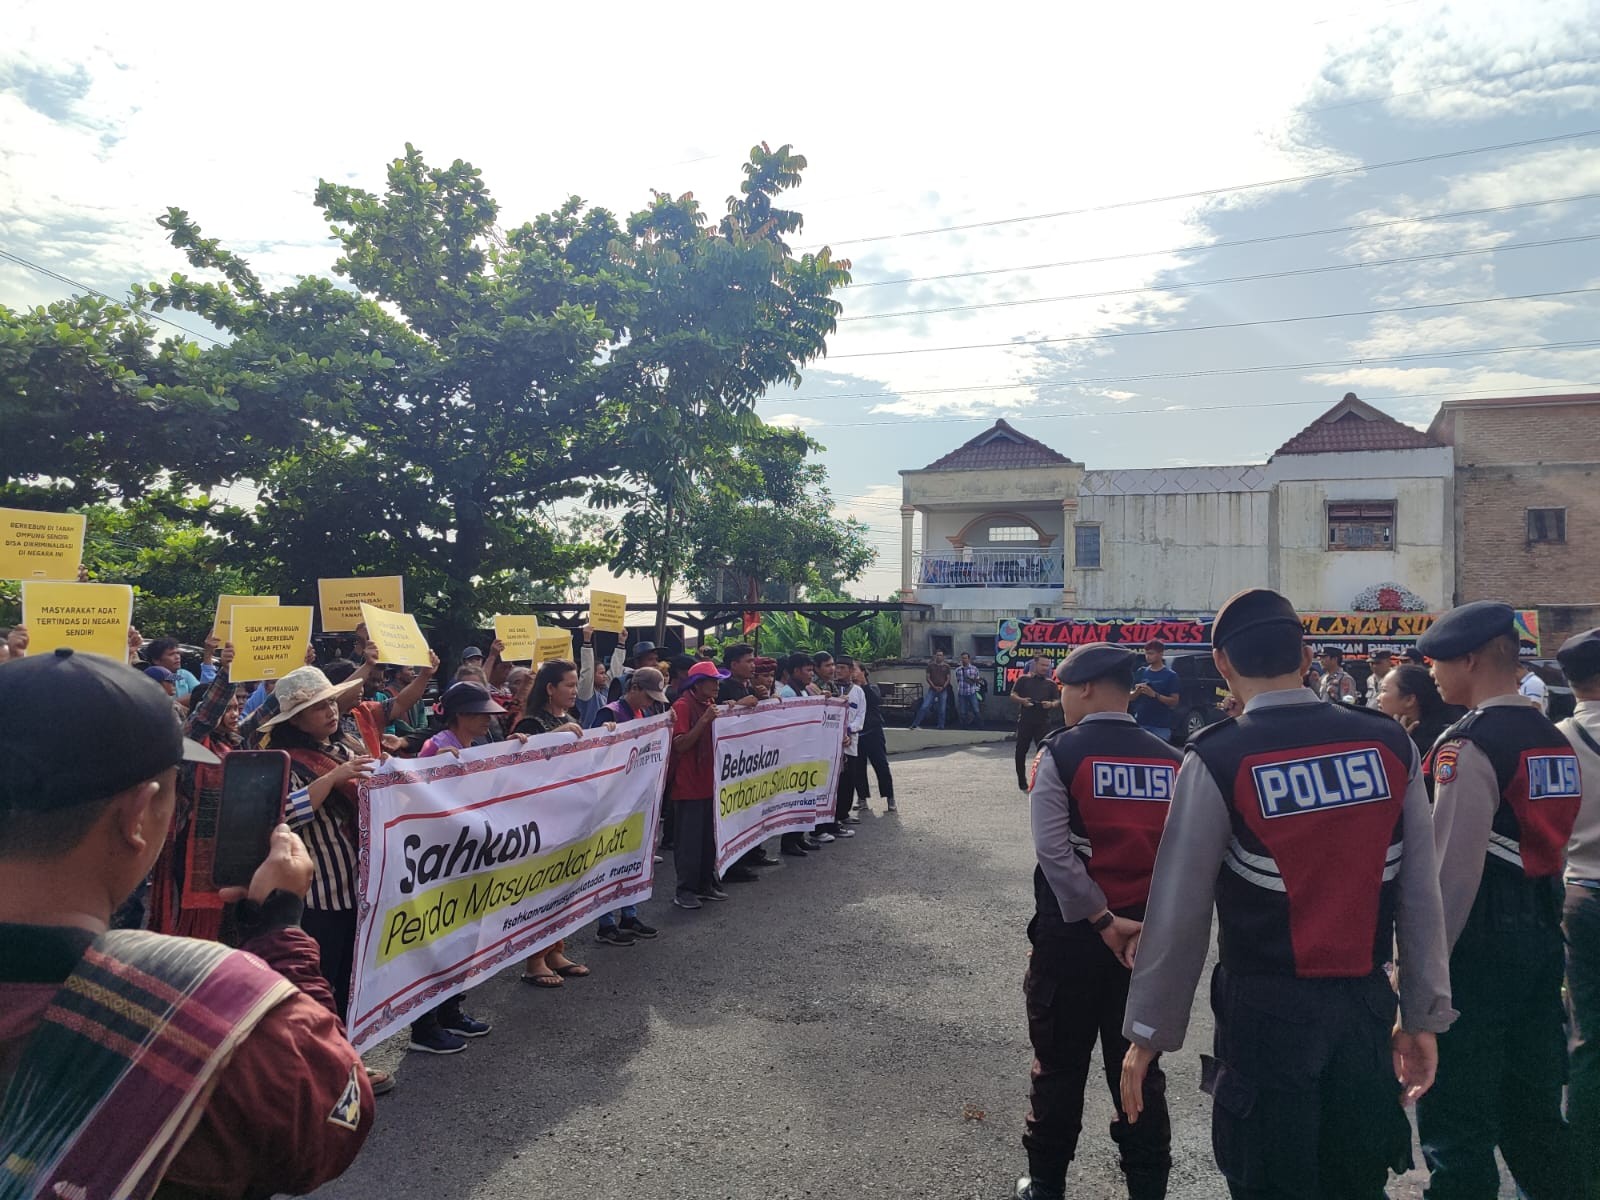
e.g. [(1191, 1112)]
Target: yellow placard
[(553, 644), (400, 642), (40, 545), (89, 617), (519, 636), (341, 599), (608, 611), (269, 641), (220, 627)]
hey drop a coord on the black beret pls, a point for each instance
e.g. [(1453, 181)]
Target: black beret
[(47, 699), (1462, 630), (1579, 656), (1250, 610), (1094, 661)]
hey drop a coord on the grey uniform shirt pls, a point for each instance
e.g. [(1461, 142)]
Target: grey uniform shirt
[(1583, 852), (1177, 927), (1463, 813), (1078, 896)]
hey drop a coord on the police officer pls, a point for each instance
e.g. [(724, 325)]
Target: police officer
[(1099, 800), (1307, 826), (1507, 790)]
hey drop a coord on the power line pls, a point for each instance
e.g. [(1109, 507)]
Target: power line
[(83, 287), (1221, 325), (1552, 347), (1202, 410), (1174, 287), (1202, 193), (1198, 247)]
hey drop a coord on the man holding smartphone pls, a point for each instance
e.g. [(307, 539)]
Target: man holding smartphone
[(244, 1082)]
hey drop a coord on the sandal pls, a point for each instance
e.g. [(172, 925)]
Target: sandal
[(544, 980), (572, 971), (381, 1082)]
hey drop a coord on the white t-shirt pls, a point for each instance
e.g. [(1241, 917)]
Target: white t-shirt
[(1534, 689)]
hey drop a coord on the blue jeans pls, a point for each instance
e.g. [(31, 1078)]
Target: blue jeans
[(929, 697), (609, 920), (967, 707)]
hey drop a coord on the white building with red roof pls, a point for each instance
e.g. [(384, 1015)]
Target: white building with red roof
[(1014, 528)]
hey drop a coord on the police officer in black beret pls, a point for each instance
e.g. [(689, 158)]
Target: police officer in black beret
[(1506, 793), (1307, 826), (1099, 799)]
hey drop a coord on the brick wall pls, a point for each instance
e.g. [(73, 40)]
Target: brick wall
[(1495, 561), (1519, 435)]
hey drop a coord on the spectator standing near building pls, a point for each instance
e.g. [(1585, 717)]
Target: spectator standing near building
[(1532, 687), (969, 683), (1410, 696), (1506, 797), (242, 1081), (1155, 692), (1312, 900), (1580, 662), (1337, 684), (874, 743), (852, 766), (1037, 698), (936, 691), (1381, 662), (738, 690)]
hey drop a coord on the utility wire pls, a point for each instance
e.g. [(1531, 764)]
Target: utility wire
[(1174, 287), (1202, 193), (84, 287), (1221, 325), (1550, 347), (1198, 247)]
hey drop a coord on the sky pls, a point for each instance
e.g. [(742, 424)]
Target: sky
[(1148, 235)]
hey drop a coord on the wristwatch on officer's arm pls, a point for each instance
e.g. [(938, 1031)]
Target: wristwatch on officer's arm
[(1100, 923)]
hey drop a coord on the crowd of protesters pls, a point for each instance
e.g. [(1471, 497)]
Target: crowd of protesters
[(337, 718)]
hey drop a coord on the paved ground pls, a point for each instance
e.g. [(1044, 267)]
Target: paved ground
[(849, 1027)]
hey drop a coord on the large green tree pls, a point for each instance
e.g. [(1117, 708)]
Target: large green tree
[(426, 416), (737, 311), (93, 404)]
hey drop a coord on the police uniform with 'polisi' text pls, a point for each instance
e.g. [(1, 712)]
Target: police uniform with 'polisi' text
[(1307, 827), (1507, 789), (1099, 801)]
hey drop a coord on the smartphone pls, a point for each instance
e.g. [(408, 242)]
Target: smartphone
[(255, 784)]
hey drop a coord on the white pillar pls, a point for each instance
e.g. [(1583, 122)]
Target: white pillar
[(1069, 553), (907, 580)]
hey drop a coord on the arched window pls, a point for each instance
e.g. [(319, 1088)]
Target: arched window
[(1023, 534)]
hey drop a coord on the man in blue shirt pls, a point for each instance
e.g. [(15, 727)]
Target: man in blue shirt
[(1155, 692)]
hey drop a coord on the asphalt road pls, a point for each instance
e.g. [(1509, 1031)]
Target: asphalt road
[(851, 1026)]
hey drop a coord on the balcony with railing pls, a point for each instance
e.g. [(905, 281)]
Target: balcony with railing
[(1019, 568)]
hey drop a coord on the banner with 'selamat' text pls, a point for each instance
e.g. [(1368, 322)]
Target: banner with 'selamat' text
[(469, 864), (775, 769)]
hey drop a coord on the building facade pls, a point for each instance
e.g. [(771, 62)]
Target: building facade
[(1527, 505), (1014, 528)]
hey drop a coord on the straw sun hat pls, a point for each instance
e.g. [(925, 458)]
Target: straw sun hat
[(303, 687)]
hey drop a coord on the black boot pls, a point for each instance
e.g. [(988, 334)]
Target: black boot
[(1146, 1183)]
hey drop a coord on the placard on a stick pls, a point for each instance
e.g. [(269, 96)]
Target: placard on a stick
[(520, 637), (341, 599), (40, 545), (608, 611), (400, 641), (269, 641), (92, 618)]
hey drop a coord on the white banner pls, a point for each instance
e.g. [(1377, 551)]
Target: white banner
[(469, 864), (775, 767)]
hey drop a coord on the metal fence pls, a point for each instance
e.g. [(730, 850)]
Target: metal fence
[(990, 568)]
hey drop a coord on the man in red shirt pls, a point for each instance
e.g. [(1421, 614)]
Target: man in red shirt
[(691, 784)]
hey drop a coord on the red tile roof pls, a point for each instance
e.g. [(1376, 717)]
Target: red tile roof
[(999, 447), (1353, 425)]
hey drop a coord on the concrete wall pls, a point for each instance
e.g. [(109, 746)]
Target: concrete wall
[(1174, 551), (983, 491)]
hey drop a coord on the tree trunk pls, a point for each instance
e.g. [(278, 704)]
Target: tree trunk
[(665, 573)]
